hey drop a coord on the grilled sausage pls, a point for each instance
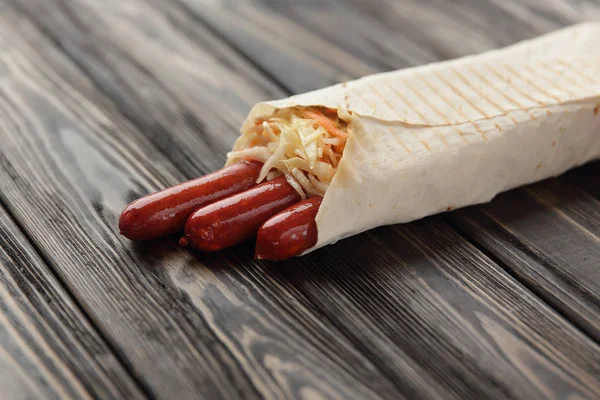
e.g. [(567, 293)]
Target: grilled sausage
[(290, 232), (165, 212), (236, 218)]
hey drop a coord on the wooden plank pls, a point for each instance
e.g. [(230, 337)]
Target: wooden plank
[(188, 326), (191, 101), (48, 350), (310, 60), (391, 20), (548, 235), (445, 317), (369, 36), (293, 328)]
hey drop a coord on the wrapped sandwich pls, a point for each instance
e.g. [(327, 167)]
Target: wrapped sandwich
[(394, 147)]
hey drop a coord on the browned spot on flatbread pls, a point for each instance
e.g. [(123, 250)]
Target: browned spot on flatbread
[(449, 208), (499, 127), (548, 112), (539, 165), (553, 143), (597, 110), (346, 101)]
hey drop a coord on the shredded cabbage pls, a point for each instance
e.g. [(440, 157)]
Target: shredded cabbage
[(303, 144)]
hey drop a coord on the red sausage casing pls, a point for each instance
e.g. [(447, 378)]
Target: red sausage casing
[(165, 212), (238, 217), (289, 233)]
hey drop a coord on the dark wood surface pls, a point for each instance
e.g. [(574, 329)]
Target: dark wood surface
[(102, 102), (48, 348)]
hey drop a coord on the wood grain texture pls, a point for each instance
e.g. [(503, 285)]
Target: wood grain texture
[(412, 311), (188, 327), (48, 350), (186, 95), (548, 235), (569, 248), (446, 317), (361, 37)]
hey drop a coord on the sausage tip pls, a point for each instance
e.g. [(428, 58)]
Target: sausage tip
[(165, 212), (289, 233)]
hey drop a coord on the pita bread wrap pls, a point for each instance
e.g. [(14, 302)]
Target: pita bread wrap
[(434, 138)]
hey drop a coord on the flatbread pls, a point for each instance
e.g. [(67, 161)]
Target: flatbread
[(429, 139)]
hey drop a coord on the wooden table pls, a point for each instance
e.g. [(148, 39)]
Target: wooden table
[(104, 101)]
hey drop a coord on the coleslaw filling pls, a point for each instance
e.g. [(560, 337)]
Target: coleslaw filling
[(304, 144)]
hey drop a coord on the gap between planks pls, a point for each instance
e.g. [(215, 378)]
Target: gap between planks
[(521, 280), (218, 35), (118, 356)]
